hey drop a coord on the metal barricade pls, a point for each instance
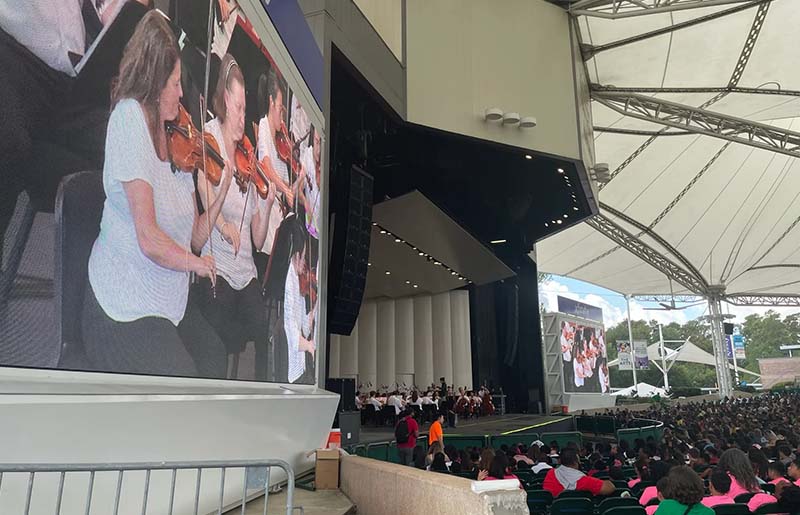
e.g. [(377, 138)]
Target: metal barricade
[(64, 472)]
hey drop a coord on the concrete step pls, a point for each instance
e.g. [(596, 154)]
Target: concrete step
[(319, 502)]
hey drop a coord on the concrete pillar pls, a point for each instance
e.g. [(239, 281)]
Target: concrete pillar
[(423, 341), (404, 340), (462, 349), (367, 346), (385, 344), (442, 337)]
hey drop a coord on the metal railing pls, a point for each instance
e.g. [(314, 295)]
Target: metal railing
[(64, 470)]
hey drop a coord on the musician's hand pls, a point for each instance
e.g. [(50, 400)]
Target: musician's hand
[(231, 235), (271, 194), (483, 474), (205, 266)]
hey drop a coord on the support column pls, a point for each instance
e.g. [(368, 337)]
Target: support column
[(442, 338), (334, 350), (348, 355), (367, 346), (386, 345), (423, 341), (404, 340), (459, 323), (720, 353)]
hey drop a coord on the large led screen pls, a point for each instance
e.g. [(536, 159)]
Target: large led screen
[(160, 205), (584, 357)]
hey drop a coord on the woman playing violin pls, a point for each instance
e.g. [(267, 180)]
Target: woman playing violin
[(137, 317), (237, 311)]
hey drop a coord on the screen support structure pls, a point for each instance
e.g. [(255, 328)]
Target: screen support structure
[(630, 338)]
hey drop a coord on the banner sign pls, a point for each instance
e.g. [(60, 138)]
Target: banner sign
[(579, 309), (641, 359), (624, 355)]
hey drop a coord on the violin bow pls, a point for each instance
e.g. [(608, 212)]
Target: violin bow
[(209, 33)]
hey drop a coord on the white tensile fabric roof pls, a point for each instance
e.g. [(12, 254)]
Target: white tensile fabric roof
[(642, 390), (688, 353), (735, 219)]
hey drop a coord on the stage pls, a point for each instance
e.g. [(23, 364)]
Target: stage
[(494, 425)]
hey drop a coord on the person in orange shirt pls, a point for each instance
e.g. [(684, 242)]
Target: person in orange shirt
[(435, 432)]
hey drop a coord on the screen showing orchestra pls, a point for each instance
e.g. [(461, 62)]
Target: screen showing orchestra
[(186, 205), (584, 357)]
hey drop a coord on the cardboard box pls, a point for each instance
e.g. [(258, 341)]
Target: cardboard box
[(327, 470)]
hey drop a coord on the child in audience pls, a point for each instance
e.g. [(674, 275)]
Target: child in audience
[(794, 471), (719, 485), (682, 494), (642, 473), (743, 480)]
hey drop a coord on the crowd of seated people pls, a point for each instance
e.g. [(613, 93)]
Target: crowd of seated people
[(427, 402), (712, 455)]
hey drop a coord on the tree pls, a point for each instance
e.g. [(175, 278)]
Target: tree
[(763, 336)]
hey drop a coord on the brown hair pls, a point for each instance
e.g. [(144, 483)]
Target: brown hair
[(229, 71), (486, 459), (147, 62), (683, 485)]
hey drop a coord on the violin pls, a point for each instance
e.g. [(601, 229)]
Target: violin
[(185, 148), (308, 284), (248, 169), (288, 148)]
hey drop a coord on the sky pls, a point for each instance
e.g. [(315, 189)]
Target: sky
[(615, 309)]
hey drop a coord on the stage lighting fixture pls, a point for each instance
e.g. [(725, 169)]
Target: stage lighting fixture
[(497, 241), (389, 273), (416, 286), (528, 156), (510, 118), (560, 170), (493, 114), (557, 221)]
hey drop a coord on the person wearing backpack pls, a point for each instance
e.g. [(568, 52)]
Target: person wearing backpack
[(406, 433)]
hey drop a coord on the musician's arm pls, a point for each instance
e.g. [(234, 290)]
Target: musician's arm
[(211, 215)]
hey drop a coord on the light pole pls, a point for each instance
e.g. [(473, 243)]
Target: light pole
[(630, 339)]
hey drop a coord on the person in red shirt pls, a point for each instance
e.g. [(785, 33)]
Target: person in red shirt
[(405, 450), (569, 477)]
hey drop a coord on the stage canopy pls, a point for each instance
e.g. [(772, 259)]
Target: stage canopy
[(687, 352), (642, 390), (695, 109)]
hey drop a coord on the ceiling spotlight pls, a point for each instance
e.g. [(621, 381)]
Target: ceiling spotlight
[(557, 221), (408, 282), (565, 216), (436, 263), (452, 273), (546, 224), (397, 240), (552, 221), (369, 264), (493, 114), (374, 223), (389, 273), (560, 170), (496, 242), (421, 253), (528, 156), (527, 122), (416, 286), (510, 118), (383, 231), (574, 208)]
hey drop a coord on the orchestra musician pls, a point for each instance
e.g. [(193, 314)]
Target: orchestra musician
[(136, 316), (235, 307), (298, 320)]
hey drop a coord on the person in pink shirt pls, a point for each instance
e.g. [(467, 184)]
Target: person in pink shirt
[(776, 472), (719, 485), (497, 470), (658, 470), (641, 474), (743, 479)]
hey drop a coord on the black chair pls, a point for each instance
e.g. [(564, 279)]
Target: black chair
[(620, 483), (575, 494), (769, 488), (626, 510), (369, 415), (639, 487), (78, 210), (731, 509), (539, 501), (574, 506), (743, 498), (616, 502), (769, 509)]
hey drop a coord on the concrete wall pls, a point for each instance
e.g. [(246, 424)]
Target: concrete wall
[(463, 57), (386, 17), (413, 339), (391, 489)]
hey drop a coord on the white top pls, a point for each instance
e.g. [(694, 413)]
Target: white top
[(295, 318), (395, 401), (578, 373), (127, 284), (426, 400), (239, 270), (375, 402), (567, 355), (311, 190), (266, 147), (540, 467)]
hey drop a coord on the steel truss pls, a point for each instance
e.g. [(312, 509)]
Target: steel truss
[(763, 300), (679, 299), (589, 51), (723, 89), (616, 9), (700, 121), (646, 253)]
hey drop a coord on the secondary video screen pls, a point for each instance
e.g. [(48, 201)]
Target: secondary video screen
[(160, 209), (584, 358)]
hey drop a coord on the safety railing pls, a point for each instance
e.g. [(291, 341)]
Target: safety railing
[(20, 498), (563, 438), (646, 428)]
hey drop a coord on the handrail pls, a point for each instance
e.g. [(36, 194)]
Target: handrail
[(63, 468)]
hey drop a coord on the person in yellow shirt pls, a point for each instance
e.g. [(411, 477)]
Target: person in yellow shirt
[(435, 432)]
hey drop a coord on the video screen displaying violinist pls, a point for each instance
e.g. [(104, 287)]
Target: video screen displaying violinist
[(584, 357), (187, 231)]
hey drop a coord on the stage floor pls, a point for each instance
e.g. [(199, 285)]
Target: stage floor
[(494, 425)]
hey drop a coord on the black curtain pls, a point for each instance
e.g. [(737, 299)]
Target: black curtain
[(507, 340)]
